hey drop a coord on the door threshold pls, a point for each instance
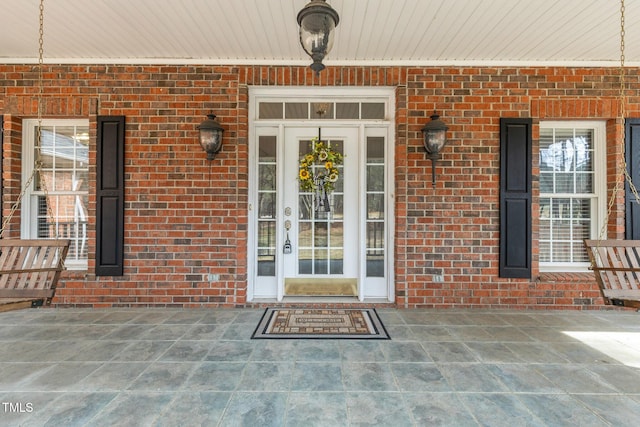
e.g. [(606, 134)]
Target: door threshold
[(320, 300), (321, 287), (307, 300)]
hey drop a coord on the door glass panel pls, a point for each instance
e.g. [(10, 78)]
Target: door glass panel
[(375, 149), (375, 239), (267, 149), (296, 110), (266, 205), (375, 206), (320, 227), (320, 234), (305, 234), (305, 260), (337, 206), (266, 262), (373, 110), (375, 177), (267, 178), (305, 202), (270, 110), (336, 238), (266, 258), (347, 110), (322, 110), (337, 260), (266, 233), (320, 261)]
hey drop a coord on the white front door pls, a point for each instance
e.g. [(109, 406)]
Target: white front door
[(321, 251)]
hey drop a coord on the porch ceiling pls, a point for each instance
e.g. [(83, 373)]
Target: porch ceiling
[(371, 32)]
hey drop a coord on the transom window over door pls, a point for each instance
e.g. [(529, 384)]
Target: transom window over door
[(61, 211), (572, 191)]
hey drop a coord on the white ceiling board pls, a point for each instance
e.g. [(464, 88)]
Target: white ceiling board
[(371, 32)]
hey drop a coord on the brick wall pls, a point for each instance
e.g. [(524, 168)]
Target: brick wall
[(186, 218)]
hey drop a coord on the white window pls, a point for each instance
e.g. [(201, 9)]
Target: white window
[(572, 191), (55, 204)]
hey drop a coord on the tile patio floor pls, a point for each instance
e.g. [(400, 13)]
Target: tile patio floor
[(162, 367)]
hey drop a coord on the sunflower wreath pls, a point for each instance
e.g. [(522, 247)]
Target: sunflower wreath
[(325, 177)]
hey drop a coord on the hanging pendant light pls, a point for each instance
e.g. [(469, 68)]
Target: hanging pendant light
[(317, 21)]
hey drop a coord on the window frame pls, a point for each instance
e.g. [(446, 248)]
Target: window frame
[(599, 194), (28, 218)]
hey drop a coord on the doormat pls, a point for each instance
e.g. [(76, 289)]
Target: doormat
[(310, 323)]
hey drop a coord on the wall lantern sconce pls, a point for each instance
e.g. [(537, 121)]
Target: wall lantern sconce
[(435, 138), (211, 136), (317, 21)]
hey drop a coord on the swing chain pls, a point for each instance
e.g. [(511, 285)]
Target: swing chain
[(37, 170), (623, 107), (38, 162), (622, 174)]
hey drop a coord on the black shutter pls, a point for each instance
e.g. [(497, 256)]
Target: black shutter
[(632, 150), (110, 196), (515, 197)]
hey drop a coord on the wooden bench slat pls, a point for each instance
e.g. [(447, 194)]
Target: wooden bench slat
[(609, 276), (616, 280), (42, 259), (621, 261), (27, 258), (631, 257), (27, 293), (625, 254), (623, 298), (10, 260), (30, 270), (33, 280), (8, 304), (34, 242)]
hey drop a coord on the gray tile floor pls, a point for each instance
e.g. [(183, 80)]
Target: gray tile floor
[(162, 367)]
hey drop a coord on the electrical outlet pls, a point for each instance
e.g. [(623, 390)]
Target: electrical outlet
[(438, 278), (213, 277)]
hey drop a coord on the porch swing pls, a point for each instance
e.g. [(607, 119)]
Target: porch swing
[(616, 263), (30, 268)]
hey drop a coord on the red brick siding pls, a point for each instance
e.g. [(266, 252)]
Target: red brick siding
[(186, 218)]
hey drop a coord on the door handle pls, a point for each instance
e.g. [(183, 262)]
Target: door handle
[(287, 248)]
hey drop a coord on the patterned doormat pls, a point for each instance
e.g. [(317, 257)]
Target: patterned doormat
[(292, 323)]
